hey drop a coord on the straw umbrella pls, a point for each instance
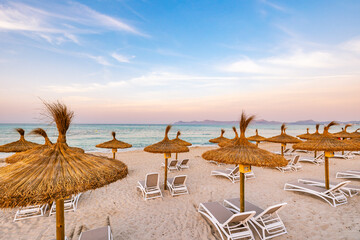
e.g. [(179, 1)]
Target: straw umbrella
[(356, 134), (305, 135), (343, 134), (20, 145), (219, 139), (179, 141), (23, 155), (114, 144), (245, 154), (315, 135), (283, 138), (230, 141), (328, 144), (56, 173), (167, 147), (257, 138)]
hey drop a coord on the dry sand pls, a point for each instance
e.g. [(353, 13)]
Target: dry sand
[(131, 217)]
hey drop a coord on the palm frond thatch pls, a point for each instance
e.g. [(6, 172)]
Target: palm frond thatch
[(356, 134), (166, 145), (219, 139), (256, 137), (244, 152), (229, 141), (114, 143), (344, 133), (56, 172), (316, 134), (283, 137), (20, 145), (306, 135), (179, 141)]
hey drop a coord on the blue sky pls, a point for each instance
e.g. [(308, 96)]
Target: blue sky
[(164, 61)]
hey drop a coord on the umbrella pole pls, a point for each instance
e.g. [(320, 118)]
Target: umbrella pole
[(314, 154), (242, 190), (327, 172), (60, 221), (257, 144), (176, 156), (113, 155), (282, 150), (165, 181)]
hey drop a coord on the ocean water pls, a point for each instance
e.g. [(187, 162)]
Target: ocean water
[(86, 136)]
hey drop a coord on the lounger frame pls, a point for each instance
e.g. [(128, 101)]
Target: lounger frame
[(150, 192), (70, 204), (348, 190), (30, 212), (178, 189), (232, 174), (348, 174)]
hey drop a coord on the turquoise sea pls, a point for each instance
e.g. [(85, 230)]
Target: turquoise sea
[(86, 136)]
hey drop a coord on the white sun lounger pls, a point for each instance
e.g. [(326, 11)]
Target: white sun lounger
[(350, 190), (334, 196), (267, 223), (30, 212), (172, 165), (150, 187), (102, 233), (348, 174), (70, 204), (285, 151), (232, 174), (183, 164), (318, 160), (248, 175), (292, 165), (230, 226), (177, 185), (346, 155)]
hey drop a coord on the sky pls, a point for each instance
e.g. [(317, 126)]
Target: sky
[(122, 61)]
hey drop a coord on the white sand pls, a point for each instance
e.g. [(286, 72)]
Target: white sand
[(131, 217)]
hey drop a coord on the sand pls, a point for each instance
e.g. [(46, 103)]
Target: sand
[(131, 217)]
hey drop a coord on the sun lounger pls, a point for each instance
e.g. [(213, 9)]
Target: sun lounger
[(346, 155), (350, 190), (150, 187), (334, 196), (348, 174), (215, 162), (229, 225), (292, 165), (248, 175), (70, 204), (267, 223), (285, 151), (233, 175), (30, 212), (183, 164), (177, 185), (102, 233), (172, 165), (318, 160), (290, 152)]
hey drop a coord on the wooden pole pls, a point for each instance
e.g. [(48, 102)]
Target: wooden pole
[(165, 181), (242, 192), (282, 150), (257, 144), (113, 155), (327, 172), (314, 154), (60, 221), (176, 156)]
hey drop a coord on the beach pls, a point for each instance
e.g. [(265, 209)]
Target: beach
[(131, 217)]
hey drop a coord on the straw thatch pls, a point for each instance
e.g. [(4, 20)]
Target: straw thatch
[(256, 137), (306, 135), (114, 143), (326, 142), (219, 139), (244, 152), (356, 134), (57, 172), (166, 145), (36, 150), (344, 133), (283, 137), (179, 141), (230, 141), (20, 145), (316, 134)]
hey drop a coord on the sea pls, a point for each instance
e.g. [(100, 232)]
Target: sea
[(86, 136)]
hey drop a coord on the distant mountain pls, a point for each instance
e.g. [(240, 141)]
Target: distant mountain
[(261, 121)]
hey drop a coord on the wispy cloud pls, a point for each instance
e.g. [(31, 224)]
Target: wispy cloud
[(121, 58), (274, 5)]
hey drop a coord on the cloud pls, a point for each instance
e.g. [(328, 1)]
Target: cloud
[(274, 6), (353, 45), (121, 58)]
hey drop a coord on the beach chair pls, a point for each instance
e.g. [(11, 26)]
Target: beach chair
[(30, 212), (232, 174), (346, 155), (177, 185), (70, 204), (267, 223), (290, 152), (150, 187), (285, 151), (248, 175), (172, 165), (102, 233), (292, 165), (334, 196), (350, 190), (318, 160), (215, 162), (229, 225), (348, 174), (183, 164)]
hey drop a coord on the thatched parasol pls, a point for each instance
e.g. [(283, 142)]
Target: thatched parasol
[(179, 141), (20, 145), (230, 141), (344, 134), (283, 138), (305, 135), (56, 173), (114, 144), (245, 154), (356, 134), (219, 139), (167, 147), (328, 144), (36, 150), (257, 138)]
